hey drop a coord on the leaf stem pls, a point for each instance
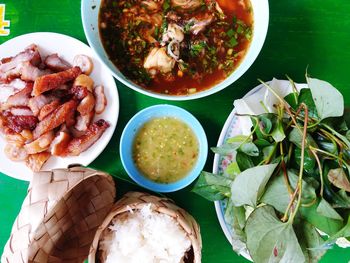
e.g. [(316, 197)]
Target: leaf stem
[(320, 170), (342, 137), (284, 170), (301, 170)]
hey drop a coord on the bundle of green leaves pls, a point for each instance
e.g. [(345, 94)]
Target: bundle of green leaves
[(287, 188)]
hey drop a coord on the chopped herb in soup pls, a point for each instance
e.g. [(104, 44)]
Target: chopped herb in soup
[(176, 47), (165, 149)]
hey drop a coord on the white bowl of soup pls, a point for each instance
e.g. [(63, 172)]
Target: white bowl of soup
[(163, 148), (176, 49)]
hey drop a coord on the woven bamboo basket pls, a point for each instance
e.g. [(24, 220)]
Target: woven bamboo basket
[(136, 201), (59, 216)]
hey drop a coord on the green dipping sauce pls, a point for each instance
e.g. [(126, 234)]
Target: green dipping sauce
[(165, 149)]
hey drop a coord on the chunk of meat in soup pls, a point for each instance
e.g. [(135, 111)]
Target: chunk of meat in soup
[(158, 60), (186, 5)]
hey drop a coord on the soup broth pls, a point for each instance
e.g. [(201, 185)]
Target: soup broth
[(165, 150), (176, 47)]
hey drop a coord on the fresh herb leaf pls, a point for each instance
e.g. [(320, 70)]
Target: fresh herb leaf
[(309, 160), (310, 241), (278, 196), (232, 170), (328, 100), (327, 225), (305, 97), (248, 186), (326, 210), (212, 187), (249, 148), (292, 100), (343, 232), (244, 161), (270, 240), (196, 49), (339, 178), (230, 33), (232, 42)]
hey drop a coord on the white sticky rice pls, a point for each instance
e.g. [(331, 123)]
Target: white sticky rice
[(145, 236)]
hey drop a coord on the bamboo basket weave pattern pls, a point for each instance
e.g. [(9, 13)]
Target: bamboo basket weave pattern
[(136, 201), (59, 216)]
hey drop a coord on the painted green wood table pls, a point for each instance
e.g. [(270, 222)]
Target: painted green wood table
[(302, 33)]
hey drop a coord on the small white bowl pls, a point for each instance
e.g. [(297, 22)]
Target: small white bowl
[(90, 10)]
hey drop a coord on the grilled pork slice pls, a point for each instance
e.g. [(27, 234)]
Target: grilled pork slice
[(83, 121), (79, 92), (53, 81), (19, 123), (101, 100), (84, 63), (87, 104), (21, 98), (36, 161), (21, 111), (8, 89), (30, 54), (48, 108), (36, 103), (25, 70), (55, 63), (82, 143), (59, 144), (41, 144), (55, 119)]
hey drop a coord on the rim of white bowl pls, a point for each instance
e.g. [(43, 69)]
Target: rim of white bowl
[(261, 22)]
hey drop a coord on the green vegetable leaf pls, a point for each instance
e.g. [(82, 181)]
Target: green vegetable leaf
[(309, 161), (278, 133), (270, 240), (328, 100), (238, 139), (310, 241), (262, 142), (239, 238), (339, 178), (249, 185), (225, 149), (325, 209), (265, 123), (231, 145), (244, 161), (268, 151), (328, 225), (277, 195), (232, 170), (249, 148), (344, 232), (212, 187), (296, 137), (292, 100), (305, 97), (329, 147)]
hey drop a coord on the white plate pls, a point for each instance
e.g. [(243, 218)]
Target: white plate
[(66, 47), (231, 128), (234, 126)]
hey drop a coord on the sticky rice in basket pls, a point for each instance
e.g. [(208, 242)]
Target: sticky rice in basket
[(148, 229)]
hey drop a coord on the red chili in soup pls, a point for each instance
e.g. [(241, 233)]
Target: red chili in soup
[(176, 47)]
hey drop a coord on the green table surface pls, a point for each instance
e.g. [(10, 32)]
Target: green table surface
[(302, 33)]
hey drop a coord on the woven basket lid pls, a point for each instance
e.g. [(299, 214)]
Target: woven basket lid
[(136, 201), (59, 216)]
